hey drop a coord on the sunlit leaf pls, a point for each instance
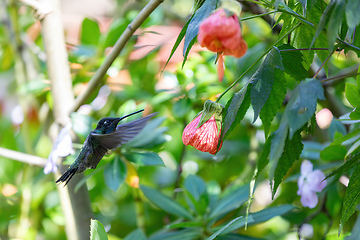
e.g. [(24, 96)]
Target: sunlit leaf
[(333, 152), (349, 164), (90, 32), (352, 94), (97, 231)]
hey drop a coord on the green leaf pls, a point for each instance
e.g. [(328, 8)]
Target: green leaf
[(333, 152), (115, 31), (235, 224), (352, 13), (186, 234), (292, 61), (302, 104), (348, 138), (90, 32), (185, 225), (178, 40), (230, 201), (137, 234), (323, 20), (275, 100), (165, 203), (352, 197), (195, 186), (291, 153), (115, 174), (335, 22), (270, 212), (192, 30), (226, 226), (352, 94), (235, 111), (355, 232), (263, 159), (97, 231), (263, 79), (349, 164), (144, 158)]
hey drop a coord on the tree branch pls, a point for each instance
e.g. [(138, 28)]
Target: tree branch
[(22, 157), (119, 45)]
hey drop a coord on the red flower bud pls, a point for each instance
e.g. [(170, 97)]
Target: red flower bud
[(222, 33), (205, 137)]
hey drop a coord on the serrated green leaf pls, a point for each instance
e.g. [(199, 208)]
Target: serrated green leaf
[(263, 79), (165, 203), (97, 231), (352, 197), (144, 158), (195, 186), (348, 138), (349, 164), (335, 22), (230, 201), (302, 39), (235, 111), (352, 13), (115, 174), (278, 143), (326, 15), (302, 104), (90, 32), (200, 14), (352, 94), (333, 152), (292, 61), (179, 39), (263, 159), (275, 100), (137, 234), (291, 153)]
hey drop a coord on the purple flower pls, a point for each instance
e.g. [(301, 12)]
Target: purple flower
[(310, 183), (62, 148), (306, 231)]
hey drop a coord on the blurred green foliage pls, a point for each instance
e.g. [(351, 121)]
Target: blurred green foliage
[(184, 193)]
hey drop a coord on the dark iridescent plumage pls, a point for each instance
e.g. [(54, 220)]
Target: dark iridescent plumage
[(107, 135)]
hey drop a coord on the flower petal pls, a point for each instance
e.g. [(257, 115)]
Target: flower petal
[(315, 180), (306, 167), (308, 198)]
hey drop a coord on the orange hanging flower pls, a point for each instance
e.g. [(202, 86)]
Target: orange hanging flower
[(221, 32), (204, 131)]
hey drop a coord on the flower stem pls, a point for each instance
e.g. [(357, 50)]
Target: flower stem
[(340, 77), (247, 70)]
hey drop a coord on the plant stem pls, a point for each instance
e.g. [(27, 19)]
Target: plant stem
[(256, 16), (323, 64), (119, 45), (340, 77), (247, 70), (302, 49)]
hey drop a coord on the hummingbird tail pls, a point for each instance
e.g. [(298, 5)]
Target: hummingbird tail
[(67, 175)]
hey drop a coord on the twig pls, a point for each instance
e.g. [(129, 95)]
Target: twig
[(22, 157), (119, 45), (323, 64)]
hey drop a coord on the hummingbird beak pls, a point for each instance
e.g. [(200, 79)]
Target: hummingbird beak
[(131, 114)]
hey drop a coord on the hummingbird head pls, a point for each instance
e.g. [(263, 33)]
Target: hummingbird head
[(107, 125)]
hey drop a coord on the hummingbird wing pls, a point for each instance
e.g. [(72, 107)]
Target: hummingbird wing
[(123, 133)]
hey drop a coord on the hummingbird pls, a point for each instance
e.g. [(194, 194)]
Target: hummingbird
[(106, 136)]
